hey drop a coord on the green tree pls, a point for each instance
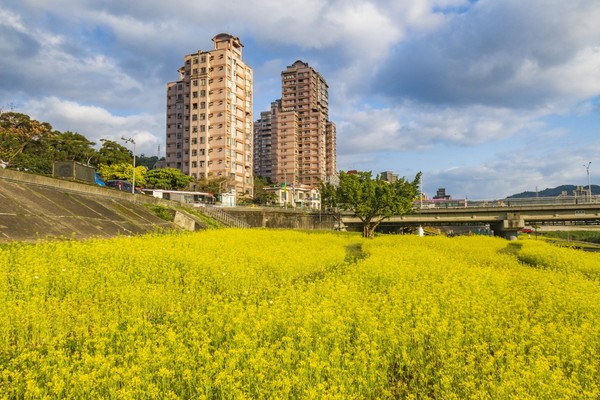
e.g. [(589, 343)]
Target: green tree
[(73, 146), (123, 171), (167, 178), (112, 152), (212, 185), (261, 196), (373, 200), (147, 162), (24, 142), (328, 196)]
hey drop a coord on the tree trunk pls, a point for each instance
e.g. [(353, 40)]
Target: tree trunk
[(369, 227)]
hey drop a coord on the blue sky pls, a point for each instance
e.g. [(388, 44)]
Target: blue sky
[(487, 98)]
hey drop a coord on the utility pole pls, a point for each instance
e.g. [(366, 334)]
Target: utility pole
[(587, 168), (133, 180)]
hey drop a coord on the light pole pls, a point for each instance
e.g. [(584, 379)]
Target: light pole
[(221, 189), (587, 168), (133, 181), (421, 194), (285, 188)]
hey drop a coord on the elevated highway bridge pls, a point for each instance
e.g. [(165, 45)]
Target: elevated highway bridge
[(505, 218)]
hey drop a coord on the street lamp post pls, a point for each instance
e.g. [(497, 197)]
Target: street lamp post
[(587, 168), (421, 194), (133, 180), (221, 189), (285, 188)]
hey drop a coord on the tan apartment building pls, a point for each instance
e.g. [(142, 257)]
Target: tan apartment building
[(209, 116), (295, 142)]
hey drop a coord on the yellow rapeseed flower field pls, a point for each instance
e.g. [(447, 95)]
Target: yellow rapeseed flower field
[(240, 314)]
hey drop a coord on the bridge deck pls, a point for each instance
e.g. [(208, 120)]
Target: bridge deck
[(525, 214)]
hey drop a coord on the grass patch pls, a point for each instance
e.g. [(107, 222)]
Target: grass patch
[(209, 222), (578, 236), (163, 212)]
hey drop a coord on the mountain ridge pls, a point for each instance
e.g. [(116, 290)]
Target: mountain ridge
[(553, 192)]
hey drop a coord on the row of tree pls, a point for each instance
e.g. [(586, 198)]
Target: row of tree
[(31, 145)]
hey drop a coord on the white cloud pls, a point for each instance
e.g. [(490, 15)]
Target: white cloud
[(96, 123), (405, 76), (416, 127)]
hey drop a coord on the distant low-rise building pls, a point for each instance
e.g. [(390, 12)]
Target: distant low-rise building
[(441, 194), (298, 196), (389, 176)]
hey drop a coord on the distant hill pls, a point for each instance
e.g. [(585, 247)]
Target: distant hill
[(557, 191)]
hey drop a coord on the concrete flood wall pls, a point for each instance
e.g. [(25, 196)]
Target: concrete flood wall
[(35, 207), (284, 218)]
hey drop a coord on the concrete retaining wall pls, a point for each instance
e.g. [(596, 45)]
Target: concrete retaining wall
[(34, 207), (283, 218)]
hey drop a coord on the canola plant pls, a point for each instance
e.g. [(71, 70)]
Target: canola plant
[(283, 314)]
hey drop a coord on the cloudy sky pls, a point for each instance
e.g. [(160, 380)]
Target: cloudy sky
[(487, 98)]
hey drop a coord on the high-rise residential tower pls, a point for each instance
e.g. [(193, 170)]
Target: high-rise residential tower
[(209, 116), (295, 142)]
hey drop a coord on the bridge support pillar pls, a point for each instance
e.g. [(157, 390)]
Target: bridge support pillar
[(509, 227)]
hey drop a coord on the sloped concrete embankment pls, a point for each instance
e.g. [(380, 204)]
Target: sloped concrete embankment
[(36, 207)]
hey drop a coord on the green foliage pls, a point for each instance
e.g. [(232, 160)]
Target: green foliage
[(212, 185), (166, 213), (209, 222), (167, 178), (72, 146), (373, 200), (24, 142), (124, 172), (329, 198), (261, 196), (146, 161), (112, 152), (583, 236)]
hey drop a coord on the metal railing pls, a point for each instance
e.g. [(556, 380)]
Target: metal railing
[(223, 217)]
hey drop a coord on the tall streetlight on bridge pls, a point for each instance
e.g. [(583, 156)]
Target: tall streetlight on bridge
[(587, 168), (129, 140)]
